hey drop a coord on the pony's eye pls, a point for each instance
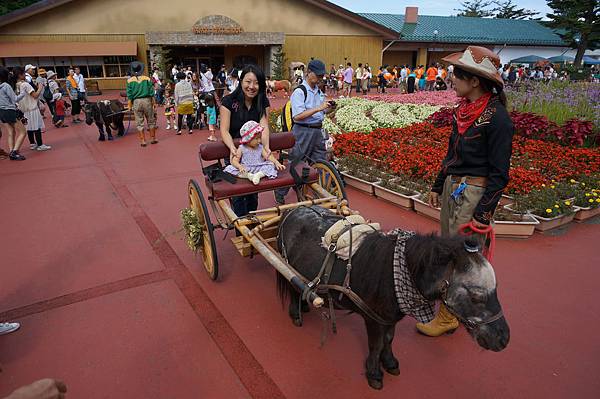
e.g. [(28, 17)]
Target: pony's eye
[(478, 297)]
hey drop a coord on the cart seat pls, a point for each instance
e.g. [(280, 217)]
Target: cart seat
[(223, 189)]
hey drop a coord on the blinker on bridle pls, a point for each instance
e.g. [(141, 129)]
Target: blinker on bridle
[(470, 324)]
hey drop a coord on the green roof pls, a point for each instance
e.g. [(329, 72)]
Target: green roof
[(469, 30)]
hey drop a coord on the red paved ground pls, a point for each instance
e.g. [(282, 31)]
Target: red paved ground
[(117, 311)]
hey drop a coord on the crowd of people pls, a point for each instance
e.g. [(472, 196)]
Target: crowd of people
[(26, 96)]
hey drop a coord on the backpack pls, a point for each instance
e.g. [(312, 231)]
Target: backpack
[(47, 94), (287, 121)]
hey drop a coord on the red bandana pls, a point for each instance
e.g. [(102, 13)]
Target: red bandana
[(467, 112)]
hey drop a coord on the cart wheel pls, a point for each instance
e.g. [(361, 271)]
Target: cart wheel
[(209, 249), (329, 178)]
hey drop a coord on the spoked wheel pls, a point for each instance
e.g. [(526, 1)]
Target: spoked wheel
[(329, 179), (209, 248)]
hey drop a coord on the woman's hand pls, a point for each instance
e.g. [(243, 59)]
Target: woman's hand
[(242, 169)]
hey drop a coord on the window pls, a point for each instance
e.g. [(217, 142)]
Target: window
[(91, 67)]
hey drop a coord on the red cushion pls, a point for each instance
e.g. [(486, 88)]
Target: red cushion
[(224, 189), (218, 150)]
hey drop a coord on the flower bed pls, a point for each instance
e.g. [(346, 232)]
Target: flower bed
[(363, 116), (440, 98)]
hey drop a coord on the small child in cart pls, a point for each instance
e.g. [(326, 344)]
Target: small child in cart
[(211, 115), (170, 109), (251, 161)]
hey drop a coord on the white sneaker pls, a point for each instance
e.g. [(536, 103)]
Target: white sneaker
[(174, 127), (32, 146), (7, 328), (43, 147), (168, 127)]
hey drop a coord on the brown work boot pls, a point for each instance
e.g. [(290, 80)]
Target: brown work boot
[(142, 138), (153, 136), (443, 323)]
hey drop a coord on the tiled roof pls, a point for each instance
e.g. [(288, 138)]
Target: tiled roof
[(469, 30)]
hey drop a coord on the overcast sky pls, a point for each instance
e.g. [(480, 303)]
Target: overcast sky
[(431, 7)]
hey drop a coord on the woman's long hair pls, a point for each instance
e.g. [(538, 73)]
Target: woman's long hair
[(259, 99), (487, 85)]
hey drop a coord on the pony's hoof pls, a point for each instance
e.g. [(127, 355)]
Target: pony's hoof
[(297, 322), (110, 138), (101, 138), (393, 371), (375, 384)]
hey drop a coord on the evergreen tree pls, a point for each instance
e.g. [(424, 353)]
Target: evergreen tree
[(9, 6), (578, 23), (506, 9), (474, 8), (278, 61)]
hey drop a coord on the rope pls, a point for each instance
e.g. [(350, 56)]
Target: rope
[(468, 229)]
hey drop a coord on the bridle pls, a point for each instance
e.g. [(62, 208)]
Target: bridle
[(469, 323)]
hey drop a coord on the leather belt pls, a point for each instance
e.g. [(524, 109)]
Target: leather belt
[(479, 181), (314, 126)]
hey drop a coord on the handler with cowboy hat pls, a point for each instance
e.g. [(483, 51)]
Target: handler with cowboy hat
[(475, 170), (140, 98)]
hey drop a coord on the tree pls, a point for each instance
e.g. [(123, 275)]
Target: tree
[(6, 7), (279, 61), (578, 24), (506, 9), (474, 8)]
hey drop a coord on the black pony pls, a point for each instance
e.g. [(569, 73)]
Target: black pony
[(107, 113), (441, 268)]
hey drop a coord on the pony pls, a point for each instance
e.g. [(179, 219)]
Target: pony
[(105, 113), (446, 269)]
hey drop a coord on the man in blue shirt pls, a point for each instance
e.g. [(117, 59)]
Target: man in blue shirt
[(308, 111)]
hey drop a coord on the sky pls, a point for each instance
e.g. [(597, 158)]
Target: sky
[(431, 7)]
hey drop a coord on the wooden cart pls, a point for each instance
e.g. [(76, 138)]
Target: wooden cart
[(323, 185)]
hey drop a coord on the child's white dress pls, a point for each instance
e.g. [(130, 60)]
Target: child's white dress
[(253, 162)]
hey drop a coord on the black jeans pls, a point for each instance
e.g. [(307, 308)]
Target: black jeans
[(189, 121), (35, 137)]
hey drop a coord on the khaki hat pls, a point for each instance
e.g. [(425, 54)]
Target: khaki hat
[(51, 74), (479, 61)]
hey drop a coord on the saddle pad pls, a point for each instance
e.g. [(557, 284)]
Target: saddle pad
[(359, 229)]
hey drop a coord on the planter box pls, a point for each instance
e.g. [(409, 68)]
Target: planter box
[(505, 200), (516, 229), (424, 209), (552, 223), (586, 213), (402, 200), (359, 184)]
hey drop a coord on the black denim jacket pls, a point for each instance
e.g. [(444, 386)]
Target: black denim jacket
[(484, 150)]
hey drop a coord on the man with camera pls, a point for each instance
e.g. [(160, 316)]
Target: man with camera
[(308, 111)]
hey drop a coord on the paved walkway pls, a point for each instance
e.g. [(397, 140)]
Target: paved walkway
[(111, 300)]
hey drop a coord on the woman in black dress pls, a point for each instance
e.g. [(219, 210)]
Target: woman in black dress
[(247, 102)]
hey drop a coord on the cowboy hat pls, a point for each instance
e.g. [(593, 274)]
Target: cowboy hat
[(479, 61), (29, 66), (136, 68), (50, 74)]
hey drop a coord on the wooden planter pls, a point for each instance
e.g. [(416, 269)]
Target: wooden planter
[(396, 198), (424, 209), (553, 223), (506, 200), (586, 213), (359, 184), (516, 229)]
